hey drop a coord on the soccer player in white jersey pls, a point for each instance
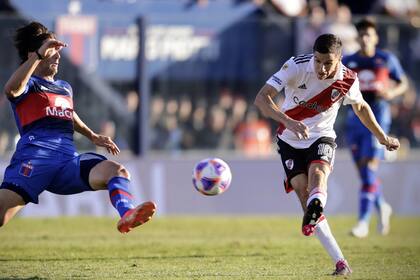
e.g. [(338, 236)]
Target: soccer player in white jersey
[(315, 86)]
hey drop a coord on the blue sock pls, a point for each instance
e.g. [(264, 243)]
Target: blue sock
[(120, 195), (367, 193)]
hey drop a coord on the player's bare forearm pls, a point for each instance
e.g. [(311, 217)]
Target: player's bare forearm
[(82, 128), (366, 116), (16, 84), (97, 139), (399, 89), (264, 102)]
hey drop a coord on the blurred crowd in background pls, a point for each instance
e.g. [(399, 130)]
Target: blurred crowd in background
[(224, 118), (230, 122)]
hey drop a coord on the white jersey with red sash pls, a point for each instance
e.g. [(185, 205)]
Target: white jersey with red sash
[(310, 100)]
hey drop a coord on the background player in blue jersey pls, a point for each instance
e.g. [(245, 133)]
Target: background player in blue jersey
[(381, 79), (45, 156)]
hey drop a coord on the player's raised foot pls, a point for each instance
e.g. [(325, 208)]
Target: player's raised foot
[(342, 268), (312, 216), (136, 216), (361, 230), (384, 224)]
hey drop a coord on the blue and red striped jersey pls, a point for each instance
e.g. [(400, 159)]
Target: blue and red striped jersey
[(44, 115)]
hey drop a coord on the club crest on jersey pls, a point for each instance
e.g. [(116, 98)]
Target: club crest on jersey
[(285, 66), (26, 169), (335, 94), (289, 164)]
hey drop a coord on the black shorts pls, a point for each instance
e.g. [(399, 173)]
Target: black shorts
[(297, 161)]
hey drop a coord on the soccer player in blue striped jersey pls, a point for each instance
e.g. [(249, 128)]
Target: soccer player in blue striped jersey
[(376, 69), (45, 157)]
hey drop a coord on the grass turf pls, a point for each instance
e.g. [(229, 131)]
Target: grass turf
[(200, 248)]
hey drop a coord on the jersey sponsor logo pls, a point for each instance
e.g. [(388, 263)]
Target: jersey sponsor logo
[(302, 86), (289, 164), (319, 102), (39, 105), (58, 112), (310, 105), (373, 80), (277, 80), (60, 109)]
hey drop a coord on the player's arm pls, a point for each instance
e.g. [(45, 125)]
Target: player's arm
[(397, 74), (400, 88), (265, 99), (16, 84), (366, 116), (265, 103), (97, 139)]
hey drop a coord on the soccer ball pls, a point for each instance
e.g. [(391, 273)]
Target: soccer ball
[(211, 176)]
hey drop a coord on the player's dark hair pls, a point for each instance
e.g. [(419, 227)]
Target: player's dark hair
[(29, 38), (365, 24), (328, 43)]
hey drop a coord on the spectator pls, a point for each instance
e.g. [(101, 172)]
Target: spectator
[(314, 27), (402, 9), (289, 8), (253, 136), (342, 26)]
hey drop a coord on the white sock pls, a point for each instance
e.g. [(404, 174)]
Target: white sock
[(323, 232), (318, 193)]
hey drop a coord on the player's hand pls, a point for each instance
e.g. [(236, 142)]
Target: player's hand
[(50, 47), (106, 142), (298, 128), (390, 143), (383, 91)]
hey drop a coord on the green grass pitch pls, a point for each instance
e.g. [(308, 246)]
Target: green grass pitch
[(266, 247)]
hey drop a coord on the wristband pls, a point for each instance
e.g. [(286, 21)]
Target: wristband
[(39, 55)]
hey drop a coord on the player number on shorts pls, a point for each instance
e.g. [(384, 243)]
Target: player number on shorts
[(325, 150)]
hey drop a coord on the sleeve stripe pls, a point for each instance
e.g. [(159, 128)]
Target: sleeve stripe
[(277, 80), (302, 57)]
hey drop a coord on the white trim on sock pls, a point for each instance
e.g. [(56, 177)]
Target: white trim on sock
[(317, 193)]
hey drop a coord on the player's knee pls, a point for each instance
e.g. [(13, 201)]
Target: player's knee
[(318, 174), (118, 170), (123, 172)]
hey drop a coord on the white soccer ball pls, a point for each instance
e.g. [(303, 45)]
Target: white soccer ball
[(211, 176)]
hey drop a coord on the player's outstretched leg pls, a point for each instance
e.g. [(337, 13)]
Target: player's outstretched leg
[(122, 200), (312, 216), (115, 177), (136, 216), (325, 236)]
